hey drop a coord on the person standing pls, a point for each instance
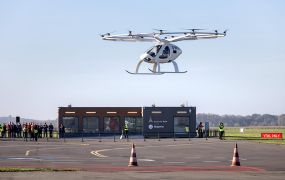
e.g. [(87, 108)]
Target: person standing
[(25, 132), (1, 130), (126, 130), (40, 129), (45, 130), (14, 130), (50, 128), (61, 131), (200, 130), (9, 130), (4, 130), (30, 130), (32, 137), (221, 131), (36, 132), (19, 130)]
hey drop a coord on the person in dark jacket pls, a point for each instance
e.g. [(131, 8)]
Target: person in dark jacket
[(50, 129), (61, 131), (36, 132), (45, 130), (200, 130)]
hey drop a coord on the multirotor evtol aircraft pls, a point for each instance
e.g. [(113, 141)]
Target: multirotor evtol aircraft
[(163, 51)]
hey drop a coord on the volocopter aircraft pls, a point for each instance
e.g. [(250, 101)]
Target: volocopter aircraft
[(163, 51)]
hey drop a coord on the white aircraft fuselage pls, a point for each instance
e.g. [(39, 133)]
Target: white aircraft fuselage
[(161, 53)]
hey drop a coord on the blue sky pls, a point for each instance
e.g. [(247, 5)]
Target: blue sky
[(51, 55)]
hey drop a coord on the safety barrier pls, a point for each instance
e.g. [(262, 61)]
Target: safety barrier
[(100, 136)]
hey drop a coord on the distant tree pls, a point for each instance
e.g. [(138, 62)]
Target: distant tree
[(237, 120)]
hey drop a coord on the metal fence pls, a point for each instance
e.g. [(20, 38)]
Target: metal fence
[(100, 136)]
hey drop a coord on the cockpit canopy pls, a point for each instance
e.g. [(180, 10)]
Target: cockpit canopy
[(154, 50), (162, 53), (163, 50)]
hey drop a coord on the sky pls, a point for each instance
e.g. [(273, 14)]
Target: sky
[(51, 55)]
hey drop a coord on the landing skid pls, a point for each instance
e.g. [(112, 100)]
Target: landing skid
[(153, 73), (169, 72)]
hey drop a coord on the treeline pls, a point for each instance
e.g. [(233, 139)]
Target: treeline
[(242, 121)]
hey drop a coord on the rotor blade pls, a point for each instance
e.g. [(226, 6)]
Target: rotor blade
[(194, 29), (108, 34), (160, 30)]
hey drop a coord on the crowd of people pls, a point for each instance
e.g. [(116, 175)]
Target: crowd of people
[(27, 131), (221, 130)]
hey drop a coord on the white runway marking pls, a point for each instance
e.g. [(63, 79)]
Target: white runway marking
[(171, 145), (211, 161), (147, 160), (27, 153), (58, 147), (23, 158), (98, 152), (174, 162), (194, 157)]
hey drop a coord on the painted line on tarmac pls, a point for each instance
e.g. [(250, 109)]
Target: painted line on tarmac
[(211, 161), (174, 162), (22, 158), (171, 145), (27, 152), (59, 147), (193, 157), (98, 152), (147, 160), (77, 144), (30, 150)]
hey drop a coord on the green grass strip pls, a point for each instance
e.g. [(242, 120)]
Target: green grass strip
[(257, 139), (254, 134)]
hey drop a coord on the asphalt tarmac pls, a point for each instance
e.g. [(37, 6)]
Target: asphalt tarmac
[(164, 159)]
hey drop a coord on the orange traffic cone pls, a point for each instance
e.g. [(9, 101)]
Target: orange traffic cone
[(133, 158), (235, 161)]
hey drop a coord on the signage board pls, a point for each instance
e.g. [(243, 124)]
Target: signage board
[(168, 121), (271, 135)]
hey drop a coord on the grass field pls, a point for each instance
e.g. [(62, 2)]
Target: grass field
[(254, 134)]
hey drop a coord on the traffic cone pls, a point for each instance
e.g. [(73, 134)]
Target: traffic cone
[(133, 157), (235, 161)]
